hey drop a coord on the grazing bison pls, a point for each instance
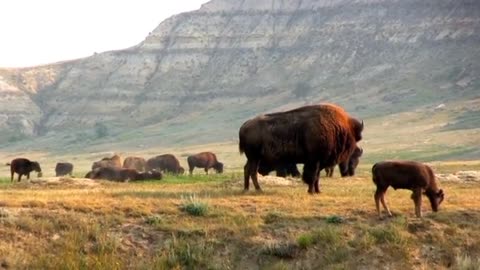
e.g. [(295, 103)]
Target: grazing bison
[(282, 170), (165, 163), (318, 136), (411, 175), (347, 168), (114, 161), (122, 175), (63, 168), (137, 163), (23, 166), (204, 160)]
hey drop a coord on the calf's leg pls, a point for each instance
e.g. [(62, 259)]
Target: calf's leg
[(417, 200)]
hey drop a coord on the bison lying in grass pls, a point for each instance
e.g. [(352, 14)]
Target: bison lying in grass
[(411, 175)]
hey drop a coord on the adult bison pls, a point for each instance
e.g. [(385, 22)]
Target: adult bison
[(165, 163), (411, 175), (122, 175), (204, 160), (318, 136), (347, 168), (282, 170), (63, 168), (137, 163), (114, 161), (23, 166)]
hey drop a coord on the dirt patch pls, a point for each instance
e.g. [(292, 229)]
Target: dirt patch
[(460, 176), (60, 182), (278, 181)]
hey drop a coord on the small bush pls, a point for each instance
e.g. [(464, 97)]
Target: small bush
[(193, 206), (272, 217), (153, 220), (305, 240), (334, 220)]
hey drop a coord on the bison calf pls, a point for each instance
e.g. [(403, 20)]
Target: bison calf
[(23, 166), (411, 175)]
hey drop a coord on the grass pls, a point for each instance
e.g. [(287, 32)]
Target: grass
[(208, 222)]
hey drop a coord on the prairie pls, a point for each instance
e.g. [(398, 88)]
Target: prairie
[(207, 222)]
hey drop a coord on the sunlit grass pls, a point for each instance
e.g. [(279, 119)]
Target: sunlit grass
[(144, 225)]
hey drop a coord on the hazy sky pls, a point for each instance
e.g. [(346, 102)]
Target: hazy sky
[(34, 32)]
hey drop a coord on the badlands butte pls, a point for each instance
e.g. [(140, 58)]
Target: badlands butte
[(410, 69)]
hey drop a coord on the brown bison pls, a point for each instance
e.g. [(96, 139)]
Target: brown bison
[(23, 166), (282, 170), (411, 175), (204, 160), (347, 168), (63, 168), (122, 175), (165, 163), (114, 161), (137, 163), (318, 136)]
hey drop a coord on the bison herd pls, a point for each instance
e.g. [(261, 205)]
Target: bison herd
[(318, 136)]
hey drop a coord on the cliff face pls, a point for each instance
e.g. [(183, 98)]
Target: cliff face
[(212, 68)]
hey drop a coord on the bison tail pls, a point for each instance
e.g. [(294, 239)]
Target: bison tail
[(7, 164), (241, 146), (373, 173)]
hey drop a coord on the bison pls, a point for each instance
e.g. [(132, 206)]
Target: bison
[(137, 163), (23, 166), (63, 168), (411, 175), (165, 163), (347, 168), (122, 175), (114, 161), (318, 136), (282, 170), (204, 160)]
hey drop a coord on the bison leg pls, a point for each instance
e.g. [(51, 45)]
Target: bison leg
[(317, 181), (309, 175), (190, 169), (385, 206), (206, 170), (417, 199), (19, 177), (11, 177), (246, 176), (380, 196)]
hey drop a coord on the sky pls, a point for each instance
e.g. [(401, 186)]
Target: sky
[(36, 32)]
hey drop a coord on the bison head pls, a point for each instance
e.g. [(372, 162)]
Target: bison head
[(357, 128), (36, 167), (436, 198), (218, 167)]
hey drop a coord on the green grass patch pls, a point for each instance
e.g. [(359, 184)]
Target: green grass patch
[(194, 206)]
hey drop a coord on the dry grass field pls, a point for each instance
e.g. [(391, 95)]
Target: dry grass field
[(207, 222)]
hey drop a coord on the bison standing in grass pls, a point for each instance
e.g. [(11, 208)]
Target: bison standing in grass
[(347, 168), (137, 163), (23, 166), (165, 163), (204, 160), (318, 136), (63, 168), (411, 175)]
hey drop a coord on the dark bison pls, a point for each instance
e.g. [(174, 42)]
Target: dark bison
[(347, 168), (122, 175), (318, 136), (204, 160), (63, 168), (23, 166), (282, 170), (411, 175), (137, 163), (166, 163), (115, 161)]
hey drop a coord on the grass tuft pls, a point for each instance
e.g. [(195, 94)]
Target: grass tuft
[(192, 205)]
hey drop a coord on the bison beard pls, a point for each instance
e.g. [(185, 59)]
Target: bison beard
[(318, 136)]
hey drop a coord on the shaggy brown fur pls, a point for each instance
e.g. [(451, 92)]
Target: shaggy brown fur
[(63, 168), (115, 161), (411, 175), (165, 163), (122, 175), (204, 160), (137, 163), (23, 166), (318, 136), (282, 170)]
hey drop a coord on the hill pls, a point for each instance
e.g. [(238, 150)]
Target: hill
[(409, 68)]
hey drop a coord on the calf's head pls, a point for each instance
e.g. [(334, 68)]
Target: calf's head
[(436, 198)]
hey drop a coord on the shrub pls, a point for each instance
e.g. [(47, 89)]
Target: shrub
[(192, 205)]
